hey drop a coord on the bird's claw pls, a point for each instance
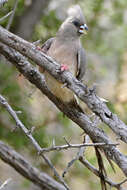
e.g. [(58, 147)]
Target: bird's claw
[(64, 68), (39, 48)]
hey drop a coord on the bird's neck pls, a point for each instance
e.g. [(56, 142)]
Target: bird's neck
[(67, 32), (66, 36)]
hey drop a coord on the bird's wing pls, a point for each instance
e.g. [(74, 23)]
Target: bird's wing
[(81, 64), (46, 46)]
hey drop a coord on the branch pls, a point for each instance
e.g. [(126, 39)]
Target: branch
[(5, 184), (86, 95), (68, 146), (96, 134), (22, 166), (29, 135), (79, 154), (7, 15), (97, 173), (12, 15), (89, 166)]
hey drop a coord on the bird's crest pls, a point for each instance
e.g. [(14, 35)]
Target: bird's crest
[(76, 12)]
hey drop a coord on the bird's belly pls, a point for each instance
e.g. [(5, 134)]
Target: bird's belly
[(65, 55), (61, 56), (64, 94)]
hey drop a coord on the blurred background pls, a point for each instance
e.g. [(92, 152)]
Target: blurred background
[(106, 50)]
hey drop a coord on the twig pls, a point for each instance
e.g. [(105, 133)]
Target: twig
[(12, 16), (66, 140), (97, 173), (79, 157), (29, 135), (7, 15), (79, 154), (91, 167), (122, 182), (68, 146), (32, 92), (31, 130), (18, 112), (18, 122), (5, 183), (68, 166)]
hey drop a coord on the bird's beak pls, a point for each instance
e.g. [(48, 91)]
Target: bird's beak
[(83, 29)]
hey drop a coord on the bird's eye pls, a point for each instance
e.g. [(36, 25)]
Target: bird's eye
[(76, 23)]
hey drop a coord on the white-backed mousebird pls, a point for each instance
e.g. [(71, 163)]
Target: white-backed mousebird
[(66, 49)]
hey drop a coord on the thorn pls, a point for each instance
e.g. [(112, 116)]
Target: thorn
[(18, 112), (103, 100), (66, 141), (14, 129), (39, 152), (92, 115), (32, 92), (64, 85), (82, 133), (93, 88), (31, 130), (118, 138), (19, 75), (53, 143)]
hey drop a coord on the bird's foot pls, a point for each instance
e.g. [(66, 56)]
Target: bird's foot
[(39, 48), (64, 68), (44, 50)]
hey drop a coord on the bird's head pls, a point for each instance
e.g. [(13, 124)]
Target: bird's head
[(81, 28), (75, 24)]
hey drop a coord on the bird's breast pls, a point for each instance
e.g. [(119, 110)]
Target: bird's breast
[(62, 54)]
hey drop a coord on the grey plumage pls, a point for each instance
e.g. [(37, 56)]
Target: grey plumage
[(76, 12), (81, 64), (45, 47), (81, 58), (66, 49)]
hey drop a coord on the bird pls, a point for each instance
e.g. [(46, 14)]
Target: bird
[(66, 49)]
